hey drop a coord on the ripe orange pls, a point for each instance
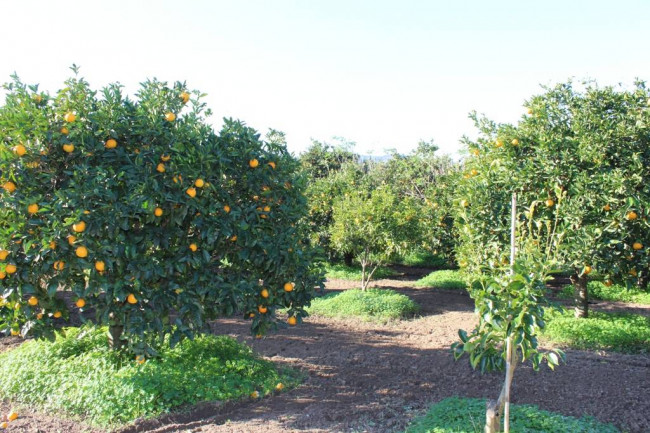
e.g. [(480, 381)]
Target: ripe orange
[(550, 203), (288, 287), (3, 254), (499, 143), (158, 212), (33, 301), (637, 246), (262, 309), (81, 252), (292, 321), (59, 265), (10, 269), (165, 158), (233, 238), (100, 266), (131, 299), (170, 117), (631, 216), (251, 315), (608, 283), (255, 394), (111, 143), (193, 247), (32, 208), (199, 183), (39, 316), (185, 97), (160, 168), (79, 227), (81, 302), (267, 208), (191, 192), (20, 150), (264, 293), (69, 148), (515, 142), (140, 359), (226, 209), (279, 387), (607, 208), (12, 416), (72, 239), (57, 315), (9, 186), (253, 163), (530, 111), (65, 131), (587, 270), (69, 117), (272, 164), (14, 333)]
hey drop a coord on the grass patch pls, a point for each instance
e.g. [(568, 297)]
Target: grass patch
[(79, 375), (373, 304), (467, 415), (423, 259), (615, 292), (339, 271), (447, 279), (627, 333)]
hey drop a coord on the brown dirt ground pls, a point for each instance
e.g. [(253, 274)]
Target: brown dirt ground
[(368, 377)]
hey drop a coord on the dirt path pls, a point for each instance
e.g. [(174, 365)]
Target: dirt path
[(365, 377)]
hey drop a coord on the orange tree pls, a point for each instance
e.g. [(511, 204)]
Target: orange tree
[(581, 157), (144, 215)]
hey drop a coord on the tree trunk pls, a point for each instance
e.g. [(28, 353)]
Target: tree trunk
[(348, 259), (496, 408), (581, 295), (363, 274), (115, 337)]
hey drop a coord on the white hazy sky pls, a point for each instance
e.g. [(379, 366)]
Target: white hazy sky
[(381, 73)]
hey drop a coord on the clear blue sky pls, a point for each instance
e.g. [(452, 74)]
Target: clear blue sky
[(381, 73)]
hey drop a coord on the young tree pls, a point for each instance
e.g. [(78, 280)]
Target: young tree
[(374, 225), (145, 214)]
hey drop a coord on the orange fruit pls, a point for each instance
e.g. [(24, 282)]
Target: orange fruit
[(255, 394), (81, 252), (140, 359), (12, 416), (631, 216), (529, 111), (32, 208), (65, 131), (14, 333), (57, 315), (110, 143), (3, 275), (199, 183), (9, 186), (69, 117), (170, 117), (607, 208), (100, 266), (59, 265), (10, 269), (33, 301), (72, 239), (633, 272), (160, 168), (262, 309), (3, 254), (158, 212), (226, 209), (233, 238), (267, 208), (279, 387), (193, 247), (587, 270), (272, 164), (81, 302), (608, 283), (251, 315), (253, 163), (191, 192), (264, 293), (515, 142), (288, 287), (39, 316), (499, 143), (292, 321), (165, 158), (69, 148), (131, 299), (20, 150), (550, 203), (637, 246), (79, 227), (185, 97), (37, 98)]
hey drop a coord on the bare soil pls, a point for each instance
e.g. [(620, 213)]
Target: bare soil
[(369, 377)]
